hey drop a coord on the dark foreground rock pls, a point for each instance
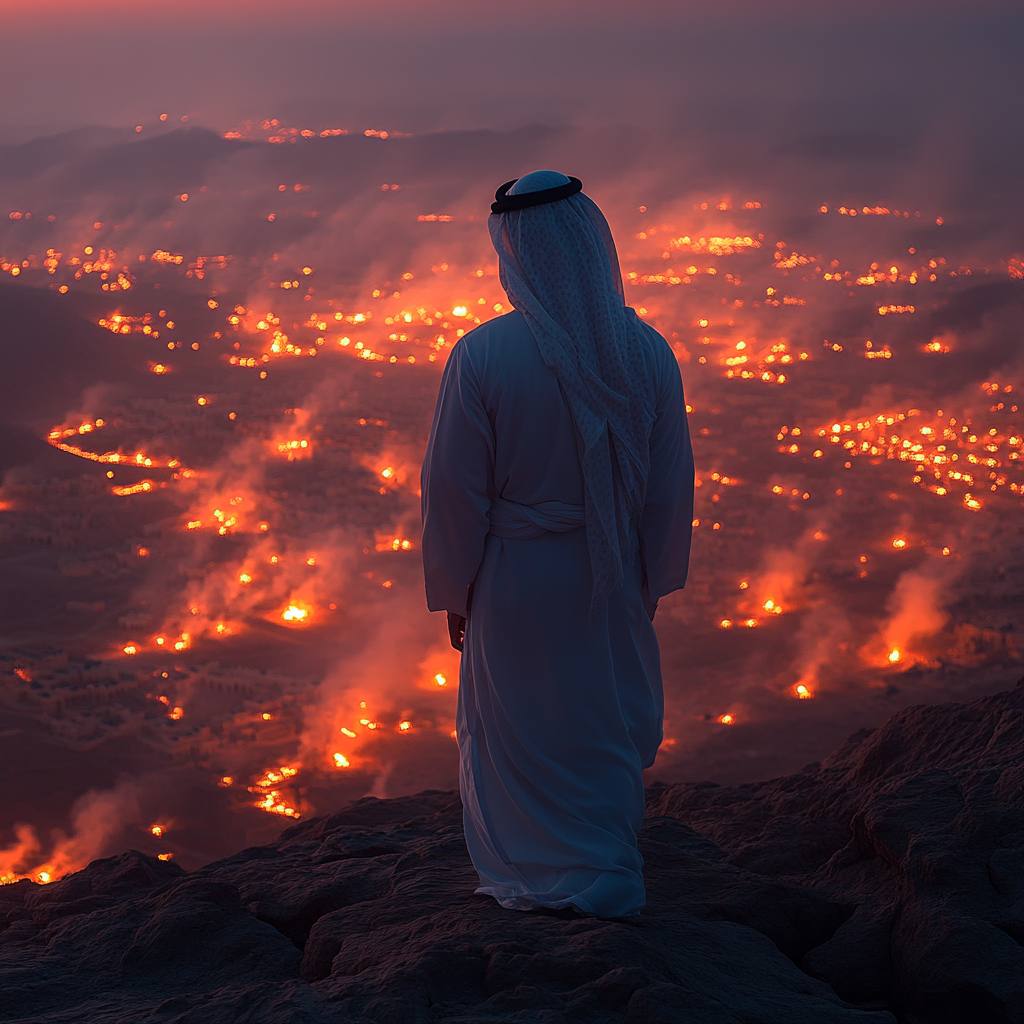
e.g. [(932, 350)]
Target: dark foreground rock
[(890, 877), (917, 828)]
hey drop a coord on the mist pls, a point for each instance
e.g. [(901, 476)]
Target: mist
[(429, 66), (223, 335)]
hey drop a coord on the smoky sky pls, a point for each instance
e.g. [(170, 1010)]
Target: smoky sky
[(683, 119), (909, 67)]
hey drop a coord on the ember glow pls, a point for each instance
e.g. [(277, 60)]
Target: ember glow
[(255, 353)]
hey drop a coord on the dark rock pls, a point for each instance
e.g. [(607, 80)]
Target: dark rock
[(891, 875), (918, 828)]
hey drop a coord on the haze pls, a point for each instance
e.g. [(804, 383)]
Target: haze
[(237, 245)]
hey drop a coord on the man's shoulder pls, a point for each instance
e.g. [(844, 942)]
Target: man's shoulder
[(501, 329), (492, 345), (659, 350)]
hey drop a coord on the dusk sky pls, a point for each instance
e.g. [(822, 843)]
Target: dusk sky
[(453, 64)]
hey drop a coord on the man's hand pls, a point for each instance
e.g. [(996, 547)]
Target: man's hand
[(456, 630)]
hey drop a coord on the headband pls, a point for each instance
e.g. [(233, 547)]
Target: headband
[(504, 203)]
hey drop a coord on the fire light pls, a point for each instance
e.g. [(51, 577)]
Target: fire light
[(441, 679), (294, 613), (293, 449), (341, 761), (895, 655), (727, 720)]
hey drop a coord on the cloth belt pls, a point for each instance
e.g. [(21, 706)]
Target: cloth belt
[(513, 521)]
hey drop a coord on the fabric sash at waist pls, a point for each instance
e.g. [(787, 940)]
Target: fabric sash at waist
[(513, 521)]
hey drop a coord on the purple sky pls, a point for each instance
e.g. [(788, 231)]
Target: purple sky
[(424, 65)]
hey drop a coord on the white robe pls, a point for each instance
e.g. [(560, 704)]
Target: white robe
[(559, 711)]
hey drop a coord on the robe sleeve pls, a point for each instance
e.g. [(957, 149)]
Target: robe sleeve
[(667, 522), (455, 485)]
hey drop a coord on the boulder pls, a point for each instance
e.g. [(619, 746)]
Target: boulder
[(918, 828), (889, 879)]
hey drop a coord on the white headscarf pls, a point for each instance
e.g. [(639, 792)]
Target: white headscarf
[(558, 265)]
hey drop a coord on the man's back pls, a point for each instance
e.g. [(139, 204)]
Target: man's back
[(536, 456)]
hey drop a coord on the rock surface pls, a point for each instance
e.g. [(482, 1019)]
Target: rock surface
[(888, 878)]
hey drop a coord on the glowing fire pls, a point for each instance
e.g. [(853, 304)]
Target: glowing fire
[(294, 449), (271, 799), (947, 454), (295, 613)]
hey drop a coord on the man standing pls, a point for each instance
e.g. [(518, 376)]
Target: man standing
[(557, 506)]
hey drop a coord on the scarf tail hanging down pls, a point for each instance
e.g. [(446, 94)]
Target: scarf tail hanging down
[(558, 265)]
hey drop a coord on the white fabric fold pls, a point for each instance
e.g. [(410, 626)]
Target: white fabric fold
[(514, 521), (558, 265)]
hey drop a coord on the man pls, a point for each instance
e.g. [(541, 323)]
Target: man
[(557, 507)]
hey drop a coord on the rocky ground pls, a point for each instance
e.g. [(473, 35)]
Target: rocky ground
[(884, 883)]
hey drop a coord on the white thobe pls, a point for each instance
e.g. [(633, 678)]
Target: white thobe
[(560, 709)]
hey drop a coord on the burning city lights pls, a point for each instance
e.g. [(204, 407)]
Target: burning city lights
[(295, 613), (267, 465), (271, 798)]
